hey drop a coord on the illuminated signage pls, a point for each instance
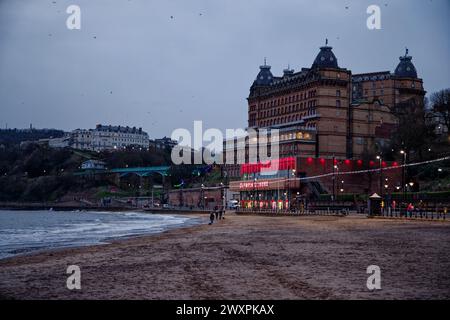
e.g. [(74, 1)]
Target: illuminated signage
[(253, 185)]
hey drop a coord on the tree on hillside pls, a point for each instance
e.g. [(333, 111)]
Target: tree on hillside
[(440, 105), (414, 133)]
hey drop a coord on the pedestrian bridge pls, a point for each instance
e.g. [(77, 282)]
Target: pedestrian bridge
[(142, 171)]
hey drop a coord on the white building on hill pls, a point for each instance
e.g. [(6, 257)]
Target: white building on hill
[(109, 138)]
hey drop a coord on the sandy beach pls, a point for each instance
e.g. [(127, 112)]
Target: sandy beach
[(248, 257)]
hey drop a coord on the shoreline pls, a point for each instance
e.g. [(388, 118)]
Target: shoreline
[(191, 221), (248, 257), (107, 241), (48, 207)]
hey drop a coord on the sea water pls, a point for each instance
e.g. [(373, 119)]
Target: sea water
[(24, 232)]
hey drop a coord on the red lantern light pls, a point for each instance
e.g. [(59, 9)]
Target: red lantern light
[(371, 163), (383, 164), (309, 160), (347, 162), (322, 161), (359, 162), (395, 164)]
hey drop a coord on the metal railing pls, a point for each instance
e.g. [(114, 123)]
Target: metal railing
[(330, 211), (416, 213)]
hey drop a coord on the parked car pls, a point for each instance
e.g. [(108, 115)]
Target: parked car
[(233, 204)]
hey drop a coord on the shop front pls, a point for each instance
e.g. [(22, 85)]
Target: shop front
[(261, 189)]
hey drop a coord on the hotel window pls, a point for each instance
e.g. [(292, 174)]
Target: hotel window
[(338, 93), (338, 103)]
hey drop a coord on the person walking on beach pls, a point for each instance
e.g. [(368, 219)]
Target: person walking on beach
[(409, 210), (221, 214), (216, 210), (211, 218)]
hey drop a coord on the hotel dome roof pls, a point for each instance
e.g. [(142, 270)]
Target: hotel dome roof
[(264, 76), (406, 68), (325, 58)]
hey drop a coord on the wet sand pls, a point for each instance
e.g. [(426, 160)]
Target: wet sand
[(249, 257)]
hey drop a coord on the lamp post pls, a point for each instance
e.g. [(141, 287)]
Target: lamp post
[(201, 195), (334, 178), (254, 192), (439, 177), (403, 152), (336, 189), (289, 188), (222, 194), (381, 175)]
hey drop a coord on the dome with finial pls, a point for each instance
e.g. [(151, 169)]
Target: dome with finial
[(265, 76), (325, 58), (405, 68)]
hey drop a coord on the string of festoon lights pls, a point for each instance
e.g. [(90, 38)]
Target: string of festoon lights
[(371, 170)]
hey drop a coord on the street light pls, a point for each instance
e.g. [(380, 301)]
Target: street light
[(335, 185), (381, 175), (403, 152), (334, 178), (202, 194), (254, 192)]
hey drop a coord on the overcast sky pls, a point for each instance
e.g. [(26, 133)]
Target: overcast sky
[(161, 64)]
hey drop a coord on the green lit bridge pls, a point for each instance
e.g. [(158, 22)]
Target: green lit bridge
[(141, 171), (121, 172)]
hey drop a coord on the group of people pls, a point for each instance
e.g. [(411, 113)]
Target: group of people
[(216, 214)]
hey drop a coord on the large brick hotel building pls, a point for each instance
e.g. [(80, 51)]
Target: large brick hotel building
[(329, 120)]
